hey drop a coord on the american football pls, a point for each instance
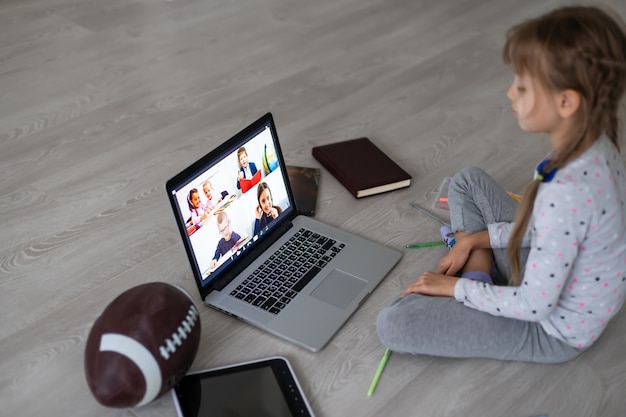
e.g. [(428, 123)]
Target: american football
[(142, 344)]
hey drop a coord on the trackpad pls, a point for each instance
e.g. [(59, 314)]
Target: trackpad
[(339, 288)]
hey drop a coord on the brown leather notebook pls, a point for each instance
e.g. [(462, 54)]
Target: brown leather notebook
[(361, 167)]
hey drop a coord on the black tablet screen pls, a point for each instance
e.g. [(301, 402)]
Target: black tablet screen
[(253, 390)]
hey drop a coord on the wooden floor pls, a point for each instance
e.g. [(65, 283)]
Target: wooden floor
[(102, 101)]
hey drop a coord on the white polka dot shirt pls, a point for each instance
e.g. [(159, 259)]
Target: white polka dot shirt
[(575, 275)]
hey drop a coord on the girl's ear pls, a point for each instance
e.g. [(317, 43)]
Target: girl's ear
[(568, 103)]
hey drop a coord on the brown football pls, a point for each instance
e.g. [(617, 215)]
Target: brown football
[(142, 344)]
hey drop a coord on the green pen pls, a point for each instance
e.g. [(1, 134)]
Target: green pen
[(425, 245), (379, 372)]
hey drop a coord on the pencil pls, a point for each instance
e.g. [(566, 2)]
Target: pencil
[(425, 245), (379, 372)]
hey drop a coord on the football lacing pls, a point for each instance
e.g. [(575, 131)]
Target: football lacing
[(186, 326)]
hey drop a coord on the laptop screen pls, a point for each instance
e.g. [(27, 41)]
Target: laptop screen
[(227, 202)]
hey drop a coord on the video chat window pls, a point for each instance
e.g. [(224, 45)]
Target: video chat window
[(231, 204)]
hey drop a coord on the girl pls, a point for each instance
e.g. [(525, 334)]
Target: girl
[(195, 207), (565, 252), (266, 211)]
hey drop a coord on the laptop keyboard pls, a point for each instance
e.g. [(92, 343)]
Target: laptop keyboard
[(284, 274)]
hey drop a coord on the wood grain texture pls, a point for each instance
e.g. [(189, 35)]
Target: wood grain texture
[(102, 102)]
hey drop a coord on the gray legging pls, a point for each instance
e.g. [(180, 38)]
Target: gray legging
[(441, 326)]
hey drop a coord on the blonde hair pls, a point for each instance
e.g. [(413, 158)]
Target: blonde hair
[(571, 48)]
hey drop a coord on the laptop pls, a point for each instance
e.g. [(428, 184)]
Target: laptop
[(255, 258)]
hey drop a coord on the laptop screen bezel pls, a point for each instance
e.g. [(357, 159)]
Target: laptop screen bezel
[(262, 242)]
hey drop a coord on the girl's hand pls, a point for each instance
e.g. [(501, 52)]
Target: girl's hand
[(457, 256), (273, 212), (433, 284), (453, 261)]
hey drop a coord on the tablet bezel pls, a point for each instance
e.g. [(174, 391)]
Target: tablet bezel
[(284, 376)]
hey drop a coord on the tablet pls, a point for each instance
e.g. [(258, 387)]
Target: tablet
[(263, 388)]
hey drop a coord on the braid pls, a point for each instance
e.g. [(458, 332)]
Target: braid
[(521, 224), (609, 86), (606, 111), (609, 95)]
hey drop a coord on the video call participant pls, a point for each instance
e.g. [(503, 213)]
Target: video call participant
[(228, 240), (246, 169), (266, 211), (198, 214), (212, 199)]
